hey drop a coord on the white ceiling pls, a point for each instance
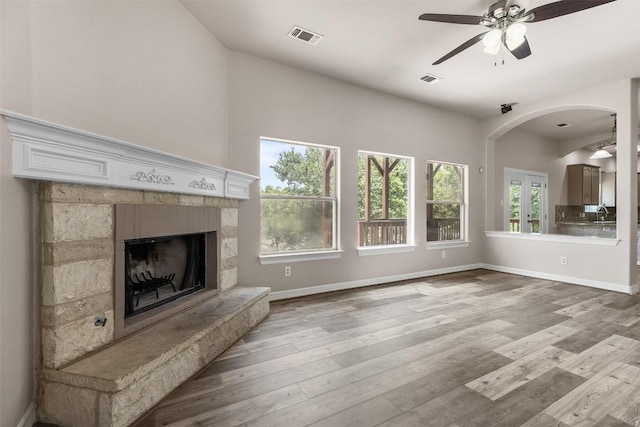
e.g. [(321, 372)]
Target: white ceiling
[(582, 124), (381, 44)]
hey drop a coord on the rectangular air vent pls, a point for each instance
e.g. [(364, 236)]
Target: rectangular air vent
[(305, 35), (430, 78)]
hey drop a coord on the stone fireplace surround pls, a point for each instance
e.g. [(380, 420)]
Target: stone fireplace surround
[(92, 375)]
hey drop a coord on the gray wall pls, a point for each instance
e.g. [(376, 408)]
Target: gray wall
[(144, 72), (273, 100)]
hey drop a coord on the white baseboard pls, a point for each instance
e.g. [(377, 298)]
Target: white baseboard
[(29, 417), (313, 290), (616, 287)]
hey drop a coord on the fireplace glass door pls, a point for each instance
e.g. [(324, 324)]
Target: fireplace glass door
[(162, 269)]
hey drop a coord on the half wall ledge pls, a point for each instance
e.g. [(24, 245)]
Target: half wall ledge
[(118, 384)]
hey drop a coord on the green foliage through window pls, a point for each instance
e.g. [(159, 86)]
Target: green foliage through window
[(298, 197), (397, 188), (383, 199), (445, 201)]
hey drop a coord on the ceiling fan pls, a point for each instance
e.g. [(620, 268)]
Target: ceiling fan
[(505, 24)]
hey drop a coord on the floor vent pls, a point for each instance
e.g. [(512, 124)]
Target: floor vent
[(305, 35), (431, 79)]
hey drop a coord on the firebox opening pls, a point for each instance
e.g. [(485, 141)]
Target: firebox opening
[(162, 269)]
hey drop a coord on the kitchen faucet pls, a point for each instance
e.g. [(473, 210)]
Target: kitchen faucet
[(602, 208)]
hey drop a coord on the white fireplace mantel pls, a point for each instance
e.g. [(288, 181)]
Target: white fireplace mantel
[(50, 152)]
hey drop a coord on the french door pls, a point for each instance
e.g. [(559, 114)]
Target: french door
[(525, 201)]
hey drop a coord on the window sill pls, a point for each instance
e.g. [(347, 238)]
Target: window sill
[(299, 257), (585, 240), (386, 249), (432, 246)]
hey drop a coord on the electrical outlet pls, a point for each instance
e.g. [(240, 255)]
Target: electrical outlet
[(287, 271), (444, 254), (563, 260)]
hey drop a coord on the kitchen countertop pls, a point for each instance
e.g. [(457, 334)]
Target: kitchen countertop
[(586, 223)]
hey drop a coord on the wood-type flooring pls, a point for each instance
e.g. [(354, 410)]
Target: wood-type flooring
[(477, 348)]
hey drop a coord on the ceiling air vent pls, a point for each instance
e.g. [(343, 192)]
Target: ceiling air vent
[(431, 79), (305, 35)]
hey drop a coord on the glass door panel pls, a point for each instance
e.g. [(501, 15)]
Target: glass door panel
[(515, 205), (525, 209), (535, 207)]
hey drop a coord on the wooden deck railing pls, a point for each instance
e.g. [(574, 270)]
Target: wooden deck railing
[(441, 229), (394, 231), (514, 225), (382, 232)]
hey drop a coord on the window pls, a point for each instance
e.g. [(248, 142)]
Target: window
[(298, 197), (446, 193), (383, 199)]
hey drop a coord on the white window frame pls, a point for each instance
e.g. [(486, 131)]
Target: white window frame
[(308, 255), (409, 246), (463, 241)]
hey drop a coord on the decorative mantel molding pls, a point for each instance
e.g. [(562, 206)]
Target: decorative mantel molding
[(50, 152)]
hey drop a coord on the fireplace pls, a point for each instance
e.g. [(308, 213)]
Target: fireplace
[(162, 269), (166, 259), (99, 198)]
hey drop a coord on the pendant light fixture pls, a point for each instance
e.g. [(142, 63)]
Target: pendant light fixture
[(601, 153)]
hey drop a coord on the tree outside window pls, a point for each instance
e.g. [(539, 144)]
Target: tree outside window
[(297, 197), (445, 201), (383, 199), (515, 198)]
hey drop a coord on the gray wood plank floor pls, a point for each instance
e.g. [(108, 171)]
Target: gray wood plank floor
[(478, 348)]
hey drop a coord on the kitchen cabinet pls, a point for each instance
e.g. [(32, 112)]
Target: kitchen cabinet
[(608, 188), (584, 185)]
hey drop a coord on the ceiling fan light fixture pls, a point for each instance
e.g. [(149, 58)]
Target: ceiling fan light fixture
[(514, 43), (492, 50), (491, 41), (516, 31), (504, 16), (515, 35)]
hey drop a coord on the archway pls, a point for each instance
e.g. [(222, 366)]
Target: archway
[(515, 143)]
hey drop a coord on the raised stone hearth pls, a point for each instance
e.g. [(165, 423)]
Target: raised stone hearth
[(98, 368), (113, 387)]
